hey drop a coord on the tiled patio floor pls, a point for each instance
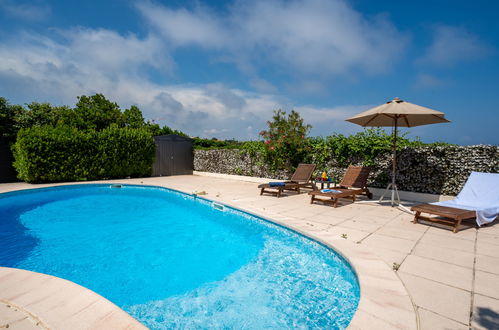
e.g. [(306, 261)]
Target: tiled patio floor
[(453, 279)]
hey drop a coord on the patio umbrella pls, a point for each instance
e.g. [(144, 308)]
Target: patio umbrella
[(397, 113)]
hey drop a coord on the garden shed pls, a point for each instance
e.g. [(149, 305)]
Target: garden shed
[(174, 155), (7, 171)]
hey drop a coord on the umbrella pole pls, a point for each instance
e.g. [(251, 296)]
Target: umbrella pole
[(394, 161), (393, 185)]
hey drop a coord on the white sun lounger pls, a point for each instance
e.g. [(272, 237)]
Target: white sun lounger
[(481, 194)]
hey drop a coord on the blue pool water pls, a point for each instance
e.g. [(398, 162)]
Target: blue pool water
[(173, 261)]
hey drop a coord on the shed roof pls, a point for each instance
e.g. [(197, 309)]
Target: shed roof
[(171, 137)]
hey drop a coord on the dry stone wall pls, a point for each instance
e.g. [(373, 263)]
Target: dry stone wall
[(233, 161), (434, 170)]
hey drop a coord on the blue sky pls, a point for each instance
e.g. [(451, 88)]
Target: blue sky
[(220, 68)]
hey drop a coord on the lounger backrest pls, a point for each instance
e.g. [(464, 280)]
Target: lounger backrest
[(303, 173), (355, 177), (480, 190)]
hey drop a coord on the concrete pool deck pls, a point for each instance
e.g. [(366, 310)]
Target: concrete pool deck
[(444, 280)]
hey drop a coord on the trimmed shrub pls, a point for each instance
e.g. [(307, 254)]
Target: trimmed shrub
[(52, 154)]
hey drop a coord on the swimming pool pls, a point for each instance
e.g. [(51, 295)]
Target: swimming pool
[(174, 260)]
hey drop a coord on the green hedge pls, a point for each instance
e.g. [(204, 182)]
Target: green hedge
[(48, 154)]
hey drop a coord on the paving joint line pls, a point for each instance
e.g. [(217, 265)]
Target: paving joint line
[(442, 283), (446, 317), (397, 216), (472, 296), (414, 246)]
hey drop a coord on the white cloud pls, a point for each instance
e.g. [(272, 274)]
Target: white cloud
[(91, 61), (425, 80), (326, 121), (85, 60), (26, 11), (58, 68), (183, 27), (316, 36), (453, 44)]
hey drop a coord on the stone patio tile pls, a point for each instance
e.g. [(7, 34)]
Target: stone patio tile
[(372, 219), (308, 225), (113, 321), (439, 298), (486, 249), (327, 211), (485, 313), (398, 318), (438, 271), (492, 228), (460, 258), (361, 225), (469, 234), (382, 212), (10, 314), (487, 264), (396, 231), (269, 212), (326, 218), (431, 321), (488, 238), (346, 212), (65, 303), (405, 224), (336, 232), (17, 290), (376, 241), (294, 211), (89, 316), (376, 305), (24, 324), (448, 242), (390, 256), (261, 202), (487, 284), (363, 320), (405, 217)]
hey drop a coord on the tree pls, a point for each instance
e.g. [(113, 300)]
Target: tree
[(285, 144), (133, 117), (41, 114), (156, 130), (8, 115), (96, 112)]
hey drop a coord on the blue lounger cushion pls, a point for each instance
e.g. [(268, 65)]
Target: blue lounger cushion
[(330, 191), (277, 184)]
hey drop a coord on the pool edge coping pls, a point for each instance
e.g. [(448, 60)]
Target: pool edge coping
[(45, 298)]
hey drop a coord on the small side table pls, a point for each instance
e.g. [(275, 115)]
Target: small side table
[(322, 182)]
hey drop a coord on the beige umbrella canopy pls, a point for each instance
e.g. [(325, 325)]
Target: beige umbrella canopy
[(397, 113)]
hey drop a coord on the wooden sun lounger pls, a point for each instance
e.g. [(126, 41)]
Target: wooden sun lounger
[(356, 178), (300, 179), (354, 183), (449, 216), (334, 196)]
